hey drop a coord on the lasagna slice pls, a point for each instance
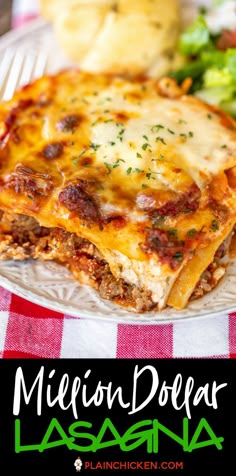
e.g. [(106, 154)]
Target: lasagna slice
[(130, 184)]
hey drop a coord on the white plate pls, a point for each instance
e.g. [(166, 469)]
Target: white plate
[(51, 285)]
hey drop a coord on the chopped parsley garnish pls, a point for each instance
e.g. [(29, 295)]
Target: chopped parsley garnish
[(137, 170), (173, 232), (120, 135), (160, 139), (113, 166), (192, 232), (156, 128), (76, 159), (214, 225), (84, 100), (94, 146), (178, 256), (109, 167), (117, 162), (150, 173), (73, 99)]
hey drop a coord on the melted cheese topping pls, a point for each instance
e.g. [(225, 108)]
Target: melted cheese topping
[(141, 176)]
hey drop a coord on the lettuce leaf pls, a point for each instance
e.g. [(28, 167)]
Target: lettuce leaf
[(195, 37)]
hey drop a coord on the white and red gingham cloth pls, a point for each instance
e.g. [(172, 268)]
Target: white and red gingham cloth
[(30, 331)]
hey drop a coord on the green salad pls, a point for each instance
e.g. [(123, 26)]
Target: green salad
[(211, 58)]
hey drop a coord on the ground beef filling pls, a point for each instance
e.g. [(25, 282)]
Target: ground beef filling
[(212, 275), (21, 237)]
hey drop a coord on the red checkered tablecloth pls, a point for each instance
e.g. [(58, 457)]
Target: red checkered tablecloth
[(30, 331)]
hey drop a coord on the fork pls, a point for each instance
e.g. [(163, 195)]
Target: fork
[(18, 68)]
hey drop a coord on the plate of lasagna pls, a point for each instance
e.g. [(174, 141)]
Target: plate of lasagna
[(118, 193)]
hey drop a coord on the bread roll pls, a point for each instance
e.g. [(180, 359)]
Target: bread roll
[(131, 37)]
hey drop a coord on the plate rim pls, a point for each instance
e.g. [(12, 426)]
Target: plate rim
[(136, 319)]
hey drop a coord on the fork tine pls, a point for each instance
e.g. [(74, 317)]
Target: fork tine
[(27, 69), (18, 68), (41, 64), (5, 65), (13, 76)]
